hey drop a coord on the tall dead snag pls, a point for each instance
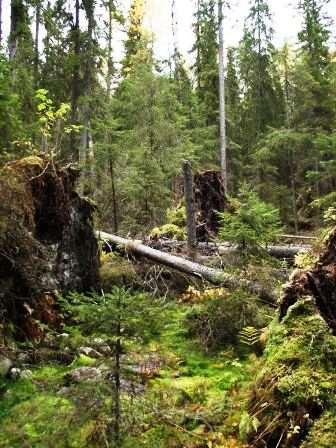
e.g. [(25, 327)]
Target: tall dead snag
[(209, 200), (190, 208), (47, 243)]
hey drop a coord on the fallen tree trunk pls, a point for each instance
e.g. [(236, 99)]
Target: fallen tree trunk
[(214, 276), (278, 251)]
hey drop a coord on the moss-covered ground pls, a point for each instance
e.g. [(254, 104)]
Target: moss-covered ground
[(194, 399)]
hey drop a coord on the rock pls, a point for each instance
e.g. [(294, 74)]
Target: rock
[(64, 391), (105, 350), (5, 366), (63, 336), (14, 373), (82, 374), (90, 352), (26, 374)]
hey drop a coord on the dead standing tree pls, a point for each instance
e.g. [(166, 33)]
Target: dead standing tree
[(190, 208)]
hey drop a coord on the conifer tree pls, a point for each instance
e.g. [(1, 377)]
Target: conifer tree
[(135, 34), (314, 38), (263, 102)]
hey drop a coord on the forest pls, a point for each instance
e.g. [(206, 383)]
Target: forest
[(167, 226)]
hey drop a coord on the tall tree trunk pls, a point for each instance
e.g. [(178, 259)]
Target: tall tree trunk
[(75, 80), (222, 115), (109, 49), (86, 147), (0, 24), (36, 44)]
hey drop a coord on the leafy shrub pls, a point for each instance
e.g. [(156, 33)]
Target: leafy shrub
[(218, 322), (252, 223), (169, 231), (175, 226)]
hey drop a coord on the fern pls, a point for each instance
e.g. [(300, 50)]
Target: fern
[(249, 336)]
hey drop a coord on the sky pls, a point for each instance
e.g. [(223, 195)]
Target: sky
[(286, 23)]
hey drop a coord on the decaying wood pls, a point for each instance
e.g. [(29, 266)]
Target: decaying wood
[(319, 282), (209, 200), (287, 252), (214, 276), (190, 208), (298, 237)]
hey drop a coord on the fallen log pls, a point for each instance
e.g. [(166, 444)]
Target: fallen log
[(214, 276), (278, 251)]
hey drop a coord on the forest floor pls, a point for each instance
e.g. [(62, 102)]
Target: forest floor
[(174, 395)]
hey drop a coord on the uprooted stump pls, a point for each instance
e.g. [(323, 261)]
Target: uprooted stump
[(47, 243), (209, 200), (293, 403)]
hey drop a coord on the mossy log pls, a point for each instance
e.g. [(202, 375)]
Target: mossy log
[(214, 276)]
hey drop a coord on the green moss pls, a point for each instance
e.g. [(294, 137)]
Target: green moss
[(322, 434), (38, 422), (298, 377), (83, 361), (169, 231), (116, 271)]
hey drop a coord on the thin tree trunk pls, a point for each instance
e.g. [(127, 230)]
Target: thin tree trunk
[(75, 79), (0, 24), (190, 208), (36, 46), (222, 115), (114, 197), (109, 50), (117, 407)]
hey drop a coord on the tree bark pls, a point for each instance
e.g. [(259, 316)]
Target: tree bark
[(190, 208), (36, 45), (214, 276), (212, 249), (0, 24), (114, 196), (222, 115), (75, 79)]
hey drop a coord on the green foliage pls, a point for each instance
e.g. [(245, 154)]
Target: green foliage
[(298, 374), (250, 336), (169, 231), (217, 323), (100, 316), (51, 121), (252, 223), (322, 434)]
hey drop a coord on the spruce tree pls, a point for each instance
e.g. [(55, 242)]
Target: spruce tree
[(262, 100), (314, 38)]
